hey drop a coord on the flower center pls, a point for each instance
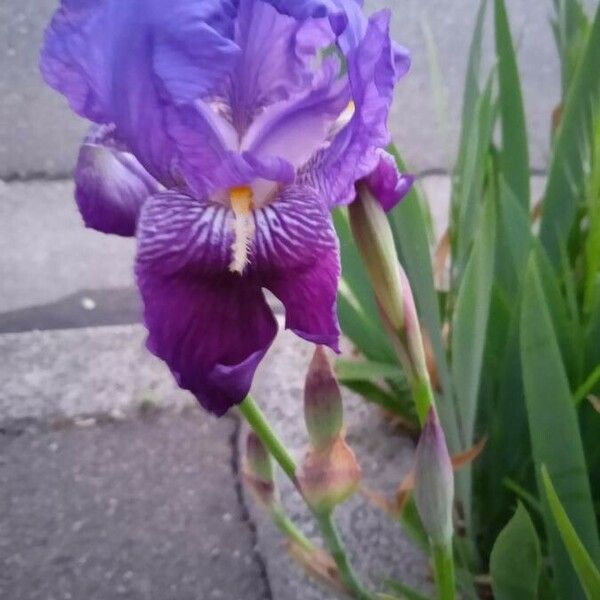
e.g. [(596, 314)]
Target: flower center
[(243, 226)]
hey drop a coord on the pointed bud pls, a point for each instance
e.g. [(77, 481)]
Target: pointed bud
[(258, 472), (323, 411), (412, 329), (434, 482), (373, 236), (329, 475)]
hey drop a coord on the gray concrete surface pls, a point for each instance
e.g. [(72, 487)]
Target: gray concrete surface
[(38, 134), (142, 510), (46, 251), (51, 375), (379, 548), (113, 483)]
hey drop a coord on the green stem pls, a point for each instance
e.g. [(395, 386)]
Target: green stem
[(423, 397), (257, 420), (443, 566), (338, 552), (288, 528)]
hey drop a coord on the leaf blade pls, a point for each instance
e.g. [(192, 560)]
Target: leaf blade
[(514, 157), (516, 559), (582, 562), (553, 420)]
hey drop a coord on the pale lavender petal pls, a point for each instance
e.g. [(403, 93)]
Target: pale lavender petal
[(211, 327), (209, 161), (110, 184), (386, 183), (295, 129)]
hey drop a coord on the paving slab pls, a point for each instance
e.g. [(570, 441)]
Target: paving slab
[(144, 509), (379, 548), (40, 135), (47, 375), (45, 251)]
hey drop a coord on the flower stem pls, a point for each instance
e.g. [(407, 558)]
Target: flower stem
[(443, 566), (288, 528), (338, 552), (257, 420)]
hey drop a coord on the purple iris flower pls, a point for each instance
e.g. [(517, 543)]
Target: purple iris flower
[(225, 131)]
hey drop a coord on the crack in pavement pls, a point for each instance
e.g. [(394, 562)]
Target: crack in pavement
[(245, 511)]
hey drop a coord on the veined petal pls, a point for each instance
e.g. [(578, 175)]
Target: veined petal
[(211, 327), (269, 67), (353, 153), (125, 62), (110, 184), (296, 254)]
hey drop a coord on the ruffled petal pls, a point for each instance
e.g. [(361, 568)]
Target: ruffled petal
[(296, 253), (210, 160), (386, 183), (274, 61), (353, 153), (127, 62), (110, 184), (211, 327), (334, 10), (295, 129)]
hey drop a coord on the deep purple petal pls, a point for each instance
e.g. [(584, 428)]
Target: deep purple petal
[(211, 327), (353, 153), (296, 253), (125, 62), (110, 185), (386, 183)]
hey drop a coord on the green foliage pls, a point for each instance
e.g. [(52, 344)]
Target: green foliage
[(552, 417), (516, 560), (515, 335), (575, 135), (587, 571)]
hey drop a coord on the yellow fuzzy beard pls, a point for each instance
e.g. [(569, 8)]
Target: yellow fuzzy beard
[(243, 227)]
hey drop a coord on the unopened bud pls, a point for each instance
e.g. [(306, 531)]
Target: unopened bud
[(258, 471), (323, 410), (434, 482), (373, 236), (329, 475), (412, 329)]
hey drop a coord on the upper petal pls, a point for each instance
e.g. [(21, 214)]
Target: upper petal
[(110, 184), (295, 129), (126, 62), (353, 153), (334, 10), (274, 61)]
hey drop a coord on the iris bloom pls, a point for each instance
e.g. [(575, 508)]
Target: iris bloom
[(225, 131)]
